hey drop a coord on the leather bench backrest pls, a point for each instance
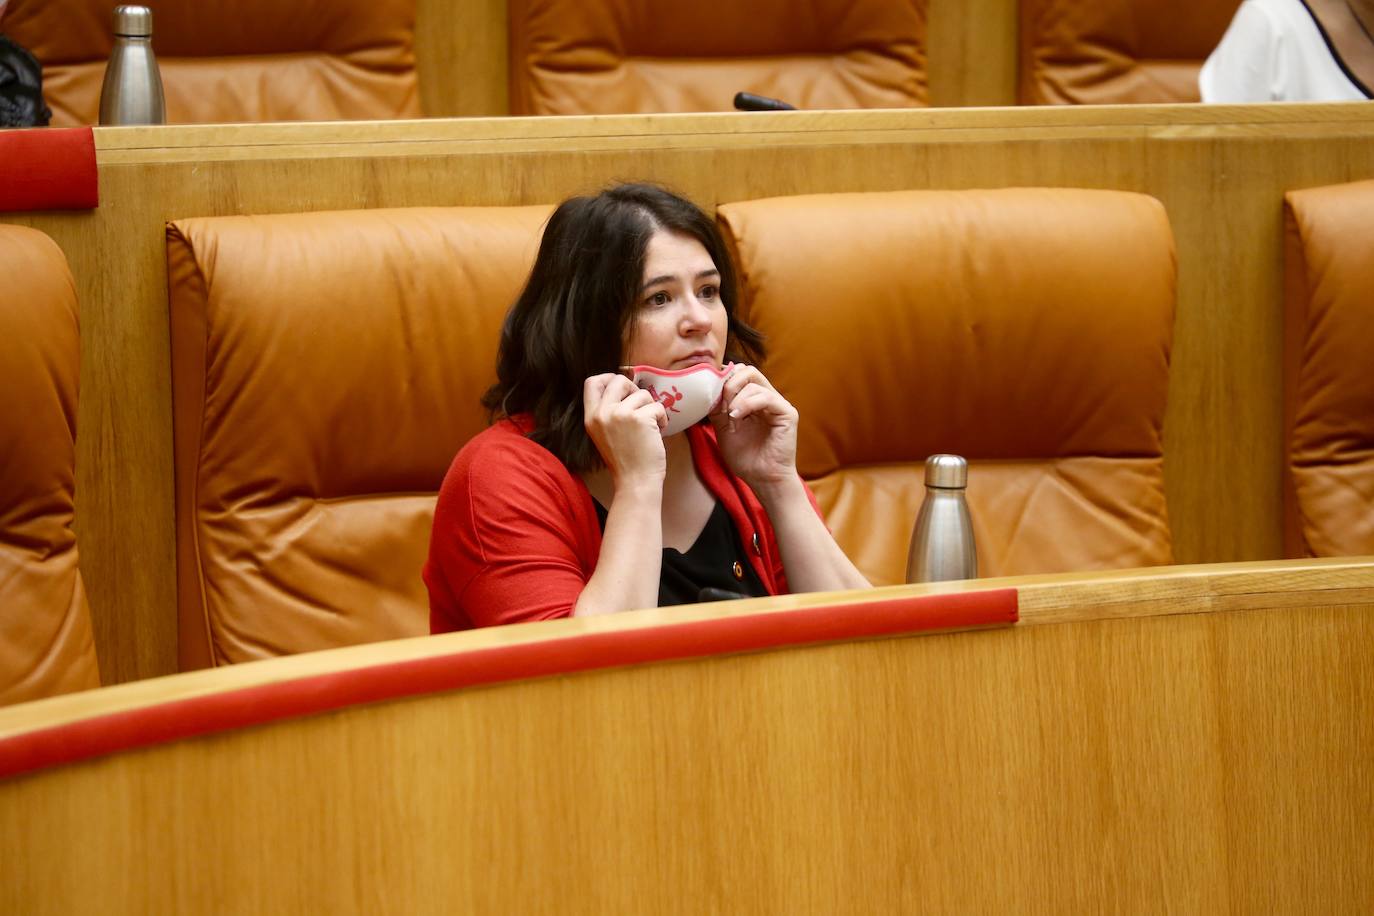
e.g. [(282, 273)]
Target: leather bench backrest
[(1110, 52), (234, 60), (1028, 330), (1328, 383), (633, 56), (326, 369), (46, 647)]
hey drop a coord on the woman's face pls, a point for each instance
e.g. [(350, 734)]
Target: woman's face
[(679, 319)]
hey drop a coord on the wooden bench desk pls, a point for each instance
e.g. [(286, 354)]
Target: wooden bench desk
[(1194, 739)]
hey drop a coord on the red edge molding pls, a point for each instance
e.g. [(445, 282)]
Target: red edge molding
[(48, 168), (179, 719)]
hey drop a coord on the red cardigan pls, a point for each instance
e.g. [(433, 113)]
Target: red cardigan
[(516, 537)]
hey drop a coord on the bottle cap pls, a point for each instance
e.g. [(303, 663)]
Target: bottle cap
[(946, 472), (133, 21)]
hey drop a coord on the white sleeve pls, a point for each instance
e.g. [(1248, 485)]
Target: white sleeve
[(1242, 67)]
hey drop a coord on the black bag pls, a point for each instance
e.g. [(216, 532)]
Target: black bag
[(21, 88)]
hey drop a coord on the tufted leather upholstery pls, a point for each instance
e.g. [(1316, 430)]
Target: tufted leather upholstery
[(1028, 330), (235, 60), (326, 368), (1328, 385), (1106, 52), (46, 646), (616, 56)]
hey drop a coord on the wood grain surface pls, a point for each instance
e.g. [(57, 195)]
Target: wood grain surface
[(1207, 754), (973, 48), (1220, 171), (461, 55)]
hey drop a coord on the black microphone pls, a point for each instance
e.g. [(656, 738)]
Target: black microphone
[(747, 101), (717, 594)]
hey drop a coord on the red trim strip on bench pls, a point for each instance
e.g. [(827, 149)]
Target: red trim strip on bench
[(48, 168), (179, 719)]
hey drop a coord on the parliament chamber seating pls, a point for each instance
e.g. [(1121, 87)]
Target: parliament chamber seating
[(46, 646), (1109, 52), (627, 56), (326, 368), (1004, 326), (222, 61), (1328, 385)]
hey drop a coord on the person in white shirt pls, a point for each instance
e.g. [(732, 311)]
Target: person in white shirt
[(1293, 51)]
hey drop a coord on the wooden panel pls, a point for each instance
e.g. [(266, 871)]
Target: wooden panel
[(1205, 752), (973, 48), (1220, 171), (460, 52)]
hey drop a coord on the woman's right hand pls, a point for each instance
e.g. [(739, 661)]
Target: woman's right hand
[(625, 424)]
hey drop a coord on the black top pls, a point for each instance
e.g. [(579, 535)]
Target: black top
[(716, 561)]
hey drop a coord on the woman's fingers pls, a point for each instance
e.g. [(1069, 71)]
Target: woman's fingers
[(609, 399), (742, 377), (606, 387), (605, 392), (746, 393), (653, 411), (754, 398), (630, 406), (593, 388)]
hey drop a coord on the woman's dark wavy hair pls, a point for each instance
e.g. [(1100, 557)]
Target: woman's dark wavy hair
[(571, 319)]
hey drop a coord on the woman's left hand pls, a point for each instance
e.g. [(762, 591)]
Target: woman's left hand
[(757, 429)]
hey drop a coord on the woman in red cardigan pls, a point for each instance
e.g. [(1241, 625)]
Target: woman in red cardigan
[(574, 502)]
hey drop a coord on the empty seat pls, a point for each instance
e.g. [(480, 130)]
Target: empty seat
[(326, 368), (223, 61), (1107, 52), (1010, 327), (1328, 385), (46, 646), (625, 56)]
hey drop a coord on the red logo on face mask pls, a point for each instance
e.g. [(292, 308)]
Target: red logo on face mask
[(667, 399)]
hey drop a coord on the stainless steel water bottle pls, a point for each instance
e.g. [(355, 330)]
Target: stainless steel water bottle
[(942, 545), (132, 91)]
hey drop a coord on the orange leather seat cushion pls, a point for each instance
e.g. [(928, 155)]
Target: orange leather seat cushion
[(1329, 387), (626, 56), (326, 369), (1028, 330), (1108, 52), (46, 646), (245, 60)]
